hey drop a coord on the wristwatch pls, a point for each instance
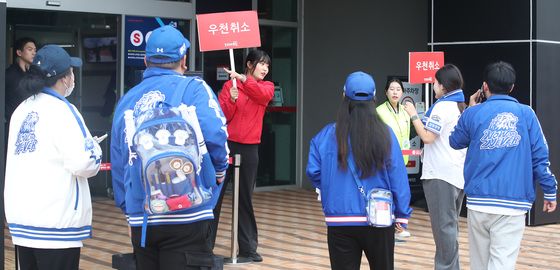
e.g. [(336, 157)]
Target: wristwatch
[(414, 117)]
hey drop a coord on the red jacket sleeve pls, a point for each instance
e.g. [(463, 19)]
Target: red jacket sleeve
[(260, 92), (228, 107)]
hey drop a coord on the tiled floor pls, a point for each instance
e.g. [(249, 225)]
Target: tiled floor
[(292, 235)]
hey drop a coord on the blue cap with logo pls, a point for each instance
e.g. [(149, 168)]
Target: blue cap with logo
[(359, 86), (54, 60), (165, 45)]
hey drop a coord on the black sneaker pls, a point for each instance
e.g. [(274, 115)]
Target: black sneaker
[(254, 256)]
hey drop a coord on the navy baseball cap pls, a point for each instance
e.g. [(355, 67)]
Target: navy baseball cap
[(359, 86), (165, 45), (54, 60)]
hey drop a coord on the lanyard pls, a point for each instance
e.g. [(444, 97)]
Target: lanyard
[(395, 117)]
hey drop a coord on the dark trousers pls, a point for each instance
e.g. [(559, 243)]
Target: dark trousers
[(346, 244), (48, 259), (170, 247), (248, 236)]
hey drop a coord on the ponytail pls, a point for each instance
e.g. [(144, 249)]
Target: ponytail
[(35, 80)]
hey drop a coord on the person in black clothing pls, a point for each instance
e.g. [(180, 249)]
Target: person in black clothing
[(25, 52)]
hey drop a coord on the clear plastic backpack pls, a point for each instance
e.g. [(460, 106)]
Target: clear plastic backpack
[(168, 142)]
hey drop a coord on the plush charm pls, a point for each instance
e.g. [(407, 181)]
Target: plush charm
[(163, 136), (146, 140), (180, 136)]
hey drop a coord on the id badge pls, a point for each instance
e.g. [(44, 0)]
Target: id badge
[(406, 144)]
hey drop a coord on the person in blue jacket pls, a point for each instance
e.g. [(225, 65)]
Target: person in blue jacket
[(174, 240), (358, 142), (507, 155)]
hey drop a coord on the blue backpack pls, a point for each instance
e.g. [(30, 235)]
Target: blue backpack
[(168, 142)]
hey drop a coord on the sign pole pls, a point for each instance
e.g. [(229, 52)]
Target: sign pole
[(243, 32), (427, 95), (232, 66)]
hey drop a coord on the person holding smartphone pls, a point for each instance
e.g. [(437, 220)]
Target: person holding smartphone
[(478, 97), (51, 154), (442, 171), (507, 156)]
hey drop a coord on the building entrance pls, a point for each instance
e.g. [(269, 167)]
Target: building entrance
[(91, 37)]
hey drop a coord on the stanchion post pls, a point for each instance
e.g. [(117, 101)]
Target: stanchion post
[(235, 212), (235, 215)]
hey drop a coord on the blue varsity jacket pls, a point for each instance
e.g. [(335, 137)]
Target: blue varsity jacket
[(507, 154), (343, 204), (158, 84)]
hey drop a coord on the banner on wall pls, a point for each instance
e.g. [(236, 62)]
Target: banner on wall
[(422, 66), (228, 30), (137, 31)]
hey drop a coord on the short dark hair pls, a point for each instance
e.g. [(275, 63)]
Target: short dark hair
[(450, 77), (20, 43), (170, 65), (499, 77)]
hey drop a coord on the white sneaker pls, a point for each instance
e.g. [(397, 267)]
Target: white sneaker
[(402, 235)]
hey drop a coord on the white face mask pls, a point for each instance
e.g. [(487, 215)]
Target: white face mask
[(69, 89)]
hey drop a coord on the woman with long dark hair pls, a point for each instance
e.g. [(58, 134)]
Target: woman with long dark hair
[(349, 159), (442, 171), (50, 155), (244, 107)]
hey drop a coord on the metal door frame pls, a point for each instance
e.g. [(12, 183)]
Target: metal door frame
[(163, 9), (2, 125)]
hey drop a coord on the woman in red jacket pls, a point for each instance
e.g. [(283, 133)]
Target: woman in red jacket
[(244, 107)]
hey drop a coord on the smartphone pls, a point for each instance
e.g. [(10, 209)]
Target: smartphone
[(100, 139), (481, 97)]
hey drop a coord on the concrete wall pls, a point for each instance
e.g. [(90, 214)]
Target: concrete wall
[(340, 37)]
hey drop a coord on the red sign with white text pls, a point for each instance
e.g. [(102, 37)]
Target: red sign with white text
[(105, 166), (422, 66), (228, 30)]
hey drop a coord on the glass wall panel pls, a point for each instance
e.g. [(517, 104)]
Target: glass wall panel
[(278, 145), (279, 10)]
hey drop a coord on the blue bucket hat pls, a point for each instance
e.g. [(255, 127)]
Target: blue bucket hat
[(54, 60), (165, 45), (359, 86)]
